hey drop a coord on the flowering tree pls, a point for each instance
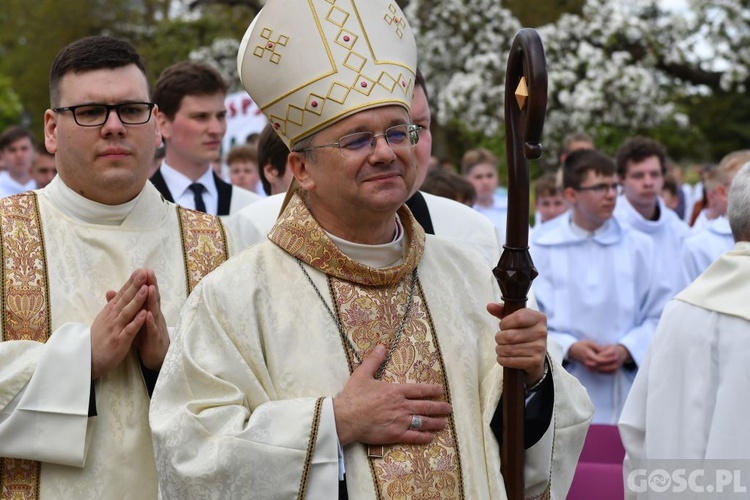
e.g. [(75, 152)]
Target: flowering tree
[(613, 71), (222, 55)]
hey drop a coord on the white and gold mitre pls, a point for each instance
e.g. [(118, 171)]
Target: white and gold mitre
[(310, 63)]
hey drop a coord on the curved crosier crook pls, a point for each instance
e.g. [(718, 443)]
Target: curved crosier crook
[(525, 107)]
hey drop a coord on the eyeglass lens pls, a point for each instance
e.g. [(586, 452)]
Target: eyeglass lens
[(97, 114), (399, 136)]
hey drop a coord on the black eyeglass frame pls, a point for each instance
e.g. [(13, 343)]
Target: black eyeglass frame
[(108, 108)]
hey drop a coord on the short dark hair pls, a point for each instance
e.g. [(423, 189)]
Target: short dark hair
[(273, 151), (242, 152), (546, 185), (670, 185), (13, 133), (447, 184), (576, 137), (88, 54), (183, 79), (474, 157), (637, 149), (582, 161)]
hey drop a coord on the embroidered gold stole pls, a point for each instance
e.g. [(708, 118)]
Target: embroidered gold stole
[(25, 295), (370, 304)]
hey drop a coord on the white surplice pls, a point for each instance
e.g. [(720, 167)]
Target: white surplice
[(688, 400), (45, 388), (668, 234), (497, 213), (9, 186), (450, 220), (701, 248), (243, 405), (599, 287)]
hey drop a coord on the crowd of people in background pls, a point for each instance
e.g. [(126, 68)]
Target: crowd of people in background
[(615, 238), (685, 226)]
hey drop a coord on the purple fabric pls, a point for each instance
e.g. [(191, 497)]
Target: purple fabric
[(599, 471)]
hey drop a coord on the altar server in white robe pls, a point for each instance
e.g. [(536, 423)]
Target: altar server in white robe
[(350, 355), (597, 285), (641, 166), (77, 358), (689, 400), (704, 246)]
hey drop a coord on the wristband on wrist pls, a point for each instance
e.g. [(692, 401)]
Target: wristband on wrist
[(535, 388)]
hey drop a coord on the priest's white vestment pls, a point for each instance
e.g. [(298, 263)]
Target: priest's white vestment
[(243, 406), (45, 387), (688, 400), (701, 248), (450, 220)]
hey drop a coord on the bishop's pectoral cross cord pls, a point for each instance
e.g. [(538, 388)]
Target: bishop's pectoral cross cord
[(373, 451), (340, 327)]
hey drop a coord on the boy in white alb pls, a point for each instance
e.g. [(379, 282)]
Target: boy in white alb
[(596, 284)]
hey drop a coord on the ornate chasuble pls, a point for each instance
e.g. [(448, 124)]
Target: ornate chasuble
[(370, 304), (26, 296)]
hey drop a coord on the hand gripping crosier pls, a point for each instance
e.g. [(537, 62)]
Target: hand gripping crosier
[(525, 105)]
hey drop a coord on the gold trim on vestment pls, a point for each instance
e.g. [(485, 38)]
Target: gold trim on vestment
[(25, 312), (314, 428), (299, 234), (370, 304), (204, 244), (25, 295)]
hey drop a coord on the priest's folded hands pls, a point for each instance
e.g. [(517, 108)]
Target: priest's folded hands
[(131, 317)]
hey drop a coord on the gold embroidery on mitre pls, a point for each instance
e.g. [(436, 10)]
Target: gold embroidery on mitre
[(270, 46), (25, 303), (353, 71), (392, 19), (371, 316), (204, 244)]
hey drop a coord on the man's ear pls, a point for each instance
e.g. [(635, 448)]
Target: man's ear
[(570, 195), (722, 191), (300, 167), (156, 127), (270, 172), (163, 124), (50, 131)]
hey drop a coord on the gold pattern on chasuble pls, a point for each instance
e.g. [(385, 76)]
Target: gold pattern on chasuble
[(298, 233), (25, 302), (372, 316), (370, 304), (204, 244)]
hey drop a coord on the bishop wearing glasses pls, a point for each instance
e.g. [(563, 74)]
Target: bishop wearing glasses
[(350, 355)]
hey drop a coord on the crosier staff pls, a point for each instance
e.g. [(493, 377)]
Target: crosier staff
[(525, 105)]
